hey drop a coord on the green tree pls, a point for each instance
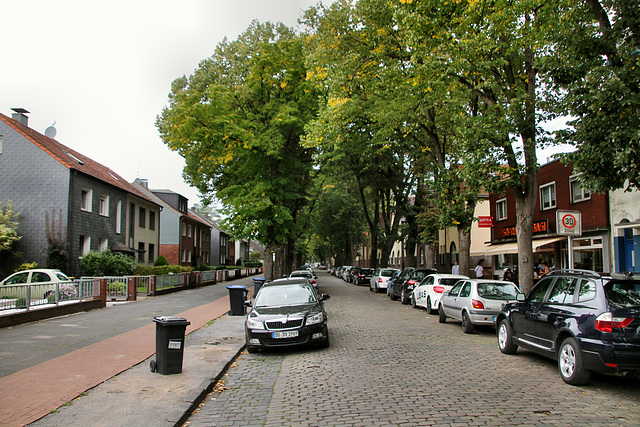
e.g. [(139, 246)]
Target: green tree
[(8, 228), (597, 67), (238, 121)]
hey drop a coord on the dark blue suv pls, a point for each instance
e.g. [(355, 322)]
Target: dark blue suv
[(585, 320)]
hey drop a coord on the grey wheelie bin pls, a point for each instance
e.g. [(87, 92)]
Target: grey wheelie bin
[(170, 331), (257, 284), (237, 297)]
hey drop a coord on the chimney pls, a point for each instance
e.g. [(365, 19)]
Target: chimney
[(19, 115), (144, 183)]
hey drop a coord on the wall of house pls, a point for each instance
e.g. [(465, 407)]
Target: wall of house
[(94, 224), (143, 235), (625, 229), (38, 186)]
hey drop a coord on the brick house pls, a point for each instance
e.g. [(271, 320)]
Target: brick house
[(558, 189), (185, 239), (58, 191)]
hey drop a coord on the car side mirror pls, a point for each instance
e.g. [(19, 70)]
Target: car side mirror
[(248, 303), (520, 297), (324, 297)]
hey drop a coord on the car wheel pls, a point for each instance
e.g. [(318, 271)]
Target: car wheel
[(571, 364), (325, 342), (467, 326), (429, 309), (252, 349), (392, 295), (412, 299), (403, 297), (442, 318), (505, 338)]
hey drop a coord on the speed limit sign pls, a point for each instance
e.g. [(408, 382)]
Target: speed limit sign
[(569, 223)]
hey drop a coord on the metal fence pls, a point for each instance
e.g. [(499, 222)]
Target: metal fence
[(172, 280), (24, 297)]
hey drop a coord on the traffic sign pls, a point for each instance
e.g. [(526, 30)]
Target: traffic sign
[(569, 223)]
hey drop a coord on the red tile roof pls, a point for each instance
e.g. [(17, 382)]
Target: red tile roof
[(74, 160)]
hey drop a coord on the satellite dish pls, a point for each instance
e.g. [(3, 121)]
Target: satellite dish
[(51, 132)]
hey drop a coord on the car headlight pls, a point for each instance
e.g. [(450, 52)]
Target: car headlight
[(315, 318), (254, 323)]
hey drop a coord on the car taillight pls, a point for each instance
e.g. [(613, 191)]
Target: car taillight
[(438, 289), (477, 304), (606, 322), (411, 282), (379, 279), (360, 276), (313, 282)]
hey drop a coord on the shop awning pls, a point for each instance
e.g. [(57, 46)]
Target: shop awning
[(512, 247)]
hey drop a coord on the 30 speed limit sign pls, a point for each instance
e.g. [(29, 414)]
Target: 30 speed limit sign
[(569, 223)]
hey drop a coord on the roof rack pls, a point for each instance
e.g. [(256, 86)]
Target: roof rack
[(576, 271)]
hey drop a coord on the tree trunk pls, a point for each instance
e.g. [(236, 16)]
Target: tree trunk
[(464, 242), (268, 263), (430, 254)]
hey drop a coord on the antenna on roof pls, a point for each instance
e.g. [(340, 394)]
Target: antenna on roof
[(51, 132)]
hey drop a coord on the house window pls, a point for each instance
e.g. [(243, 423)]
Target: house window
[(85, 244), (152, 220), (501, 209), (119, 217), (152, 252), (0, 144), (86, 199), (184, 256), (104, 205), (141, 251), (548, 196), (142, 217), (578, 194), (188, 230), (104, 245), (184, 229)]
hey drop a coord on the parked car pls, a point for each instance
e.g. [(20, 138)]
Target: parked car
[(285, 314), (476, 301), (585, 320), (363, 276), (427, 294), (306, 273), (381, 278), (43, 280), (351, 274), (403, 286), (345, 270)]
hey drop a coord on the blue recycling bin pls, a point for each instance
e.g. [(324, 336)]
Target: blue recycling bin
[(257, 284), (237, 297)]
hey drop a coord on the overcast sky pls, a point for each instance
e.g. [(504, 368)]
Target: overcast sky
[(102, 70)]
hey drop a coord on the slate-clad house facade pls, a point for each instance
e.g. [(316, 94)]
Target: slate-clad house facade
[(57, 190)]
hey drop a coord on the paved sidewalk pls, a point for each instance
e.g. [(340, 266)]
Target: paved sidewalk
[(114, 373)]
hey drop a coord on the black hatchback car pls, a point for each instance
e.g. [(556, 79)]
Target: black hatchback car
[(286, 313), (363, 277), (585, 320), (409, 278)]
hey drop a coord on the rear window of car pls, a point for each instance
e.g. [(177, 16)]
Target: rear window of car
[(387, 273), (497, 291), (368, 271), (448, 282), (62, 277), (623, 294)]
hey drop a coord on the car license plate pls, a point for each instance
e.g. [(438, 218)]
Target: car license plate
[(285, 334)]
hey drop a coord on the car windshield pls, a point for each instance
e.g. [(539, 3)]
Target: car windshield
[(623, 294), (497, 290), (281, 295)]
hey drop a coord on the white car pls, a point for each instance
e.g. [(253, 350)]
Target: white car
[(476, 302), (381, 278), (306, 274), (428, 293), (42, 280)]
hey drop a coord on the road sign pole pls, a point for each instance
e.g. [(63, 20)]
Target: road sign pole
[(570, 248)]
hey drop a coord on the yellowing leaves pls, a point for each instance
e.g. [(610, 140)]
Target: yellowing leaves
[(337, 102)]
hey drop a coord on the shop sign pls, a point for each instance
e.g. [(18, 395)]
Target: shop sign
[(538, 227), (485, 221)]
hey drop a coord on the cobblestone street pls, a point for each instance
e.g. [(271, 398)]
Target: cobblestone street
[(393, 365)]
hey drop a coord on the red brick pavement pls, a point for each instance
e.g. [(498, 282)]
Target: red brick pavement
[(32, 393)]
